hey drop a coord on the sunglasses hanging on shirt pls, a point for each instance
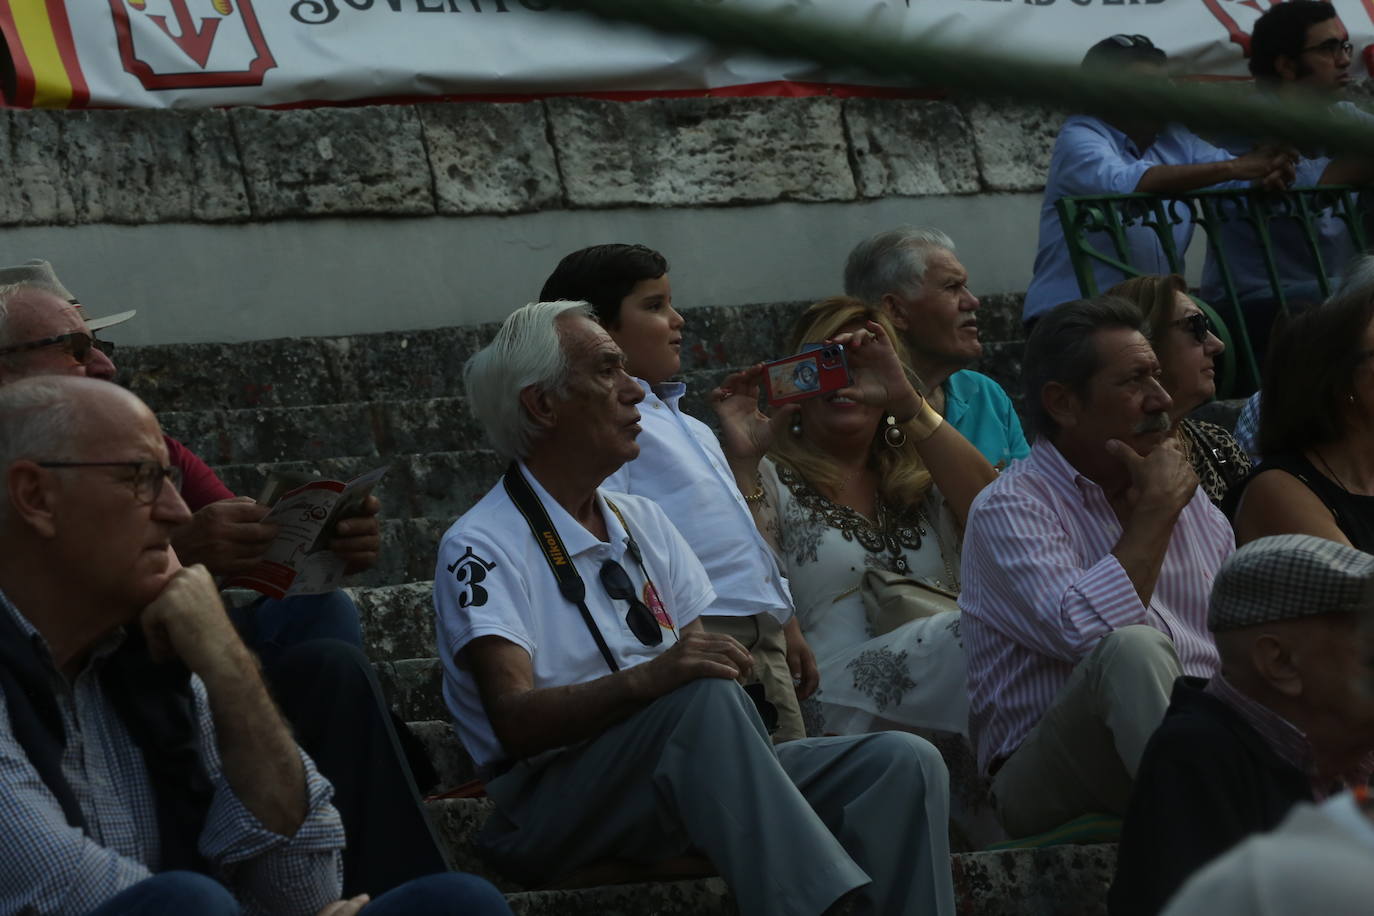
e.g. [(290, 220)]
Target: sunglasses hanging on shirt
[(640, 619)]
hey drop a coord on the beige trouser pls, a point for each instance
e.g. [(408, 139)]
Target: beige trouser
[(762, 636), (1082, 756)]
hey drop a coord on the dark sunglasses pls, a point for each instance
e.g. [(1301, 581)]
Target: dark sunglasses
[(1196, 324), (77, 343), (1132, 41), (147, 477), (639, 618)]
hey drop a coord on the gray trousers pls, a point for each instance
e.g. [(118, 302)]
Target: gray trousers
[(791, 830), (1083, 754)]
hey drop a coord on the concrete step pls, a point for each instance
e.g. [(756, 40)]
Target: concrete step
[(426, 364), (398, 620), (414, 688), (446, 752), (701, 897), (368, 429), (1057, 881), (408, 549), (436, 484)]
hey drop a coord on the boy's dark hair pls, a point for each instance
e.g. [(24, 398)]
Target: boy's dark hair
[(1282, 30), (603, 275)]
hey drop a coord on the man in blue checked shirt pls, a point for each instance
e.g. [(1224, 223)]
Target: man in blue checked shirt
[(143, 766)]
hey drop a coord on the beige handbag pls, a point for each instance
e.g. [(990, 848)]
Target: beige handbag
[(892, 599)]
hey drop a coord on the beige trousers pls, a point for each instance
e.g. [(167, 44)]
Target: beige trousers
[(1083, 754), (762, 635)]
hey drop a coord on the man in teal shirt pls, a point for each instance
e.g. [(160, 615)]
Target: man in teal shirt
[(913, 274)]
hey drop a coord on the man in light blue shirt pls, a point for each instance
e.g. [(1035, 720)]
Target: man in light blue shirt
[(914, 275), (1127, 155), (1298, 49)]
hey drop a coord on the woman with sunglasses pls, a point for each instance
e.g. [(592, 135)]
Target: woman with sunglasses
[(1317, 424), (1187, 349)]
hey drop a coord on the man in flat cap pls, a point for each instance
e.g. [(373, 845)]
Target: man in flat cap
[(1283, 722)]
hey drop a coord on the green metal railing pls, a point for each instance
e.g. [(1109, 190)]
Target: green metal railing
[(1088, 221)]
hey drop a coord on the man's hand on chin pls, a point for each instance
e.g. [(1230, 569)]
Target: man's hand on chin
[(188, 621)]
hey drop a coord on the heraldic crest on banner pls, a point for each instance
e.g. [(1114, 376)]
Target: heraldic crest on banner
[(191, 44)]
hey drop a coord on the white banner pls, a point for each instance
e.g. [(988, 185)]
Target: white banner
[(203, 53)]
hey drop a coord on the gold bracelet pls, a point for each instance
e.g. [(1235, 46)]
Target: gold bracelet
[(926, 421)]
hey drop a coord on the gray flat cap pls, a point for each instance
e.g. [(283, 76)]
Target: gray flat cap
[(1287, 577), (41, 273)]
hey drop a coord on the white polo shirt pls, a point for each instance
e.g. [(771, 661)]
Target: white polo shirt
[(491, 579), (682, 468)]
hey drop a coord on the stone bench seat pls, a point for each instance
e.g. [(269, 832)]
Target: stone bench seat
[(1055, 881)]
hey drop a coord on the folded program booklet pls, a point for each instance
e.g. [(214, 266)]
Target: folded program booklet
[(307, 513)]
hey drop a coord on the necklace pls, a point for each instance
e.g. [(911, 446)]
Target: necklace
[(1185, 443), (1333, 475)]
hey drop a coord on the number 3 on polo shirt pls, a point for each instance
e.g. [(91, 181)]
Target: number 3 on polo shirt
[(470, 571)]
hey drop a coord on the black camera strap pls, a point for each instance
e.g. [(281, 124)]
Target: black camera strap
[(569, 581)]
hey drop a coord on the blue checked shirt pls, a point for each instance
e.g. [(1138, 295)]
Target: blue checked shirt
[(1247, 428), (47, 866)]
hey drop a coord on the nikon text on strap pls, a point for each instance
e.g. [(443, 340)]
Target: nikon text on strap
[(569, 582)]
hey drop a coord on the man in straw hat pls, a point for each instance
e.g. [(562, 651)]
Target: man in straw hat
[(310, 646)]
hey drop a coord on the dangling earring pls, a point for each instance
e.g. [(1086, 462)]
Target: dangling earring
[(893, 435), (796, 424)]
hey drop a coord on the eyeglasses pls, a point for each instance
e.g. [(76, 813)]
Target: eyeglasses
[(1331, 47), (639, 618), (147, 478), (1196, 324), (77, 343)]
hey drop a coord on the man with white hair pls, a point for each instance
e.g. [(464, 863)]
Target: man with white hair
[(914, 275), (605, 719)]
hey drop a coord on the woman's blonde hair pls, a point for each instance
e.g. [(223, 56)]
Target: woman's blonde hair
[(903, 480)]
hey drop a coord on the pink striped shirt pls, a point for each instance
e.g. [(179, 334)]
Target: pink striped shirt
[(1041, 587)]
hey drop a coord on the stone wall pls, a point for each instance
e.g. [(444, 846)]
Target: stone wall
[(246, 224), (464, 159)]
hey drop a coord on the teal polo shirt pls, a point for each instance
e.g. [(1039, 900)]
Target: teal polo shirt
[(981, 411)]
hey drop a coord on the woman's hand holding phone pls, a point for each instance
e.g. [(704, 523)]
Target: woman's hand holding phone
[(879, 378)]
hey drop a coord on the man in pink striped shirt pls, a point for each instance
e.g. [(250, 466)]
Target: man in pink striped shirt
[(1087, 568)]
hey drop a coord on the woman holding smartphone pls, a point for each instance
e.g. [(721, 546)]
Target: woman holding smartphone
[(870, 478)]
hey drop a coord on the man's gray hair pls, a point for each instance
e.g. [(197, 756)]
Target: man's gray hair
[(527, 350), (10, 292), (38, 417), (1062, 348), (892, 262)]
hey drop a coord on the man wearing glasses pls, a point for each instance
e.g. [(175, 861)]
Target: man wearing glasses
[(1298, 50), (310, 646), (1127, 154), (146, 767), (605, 719), (43, 332)]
